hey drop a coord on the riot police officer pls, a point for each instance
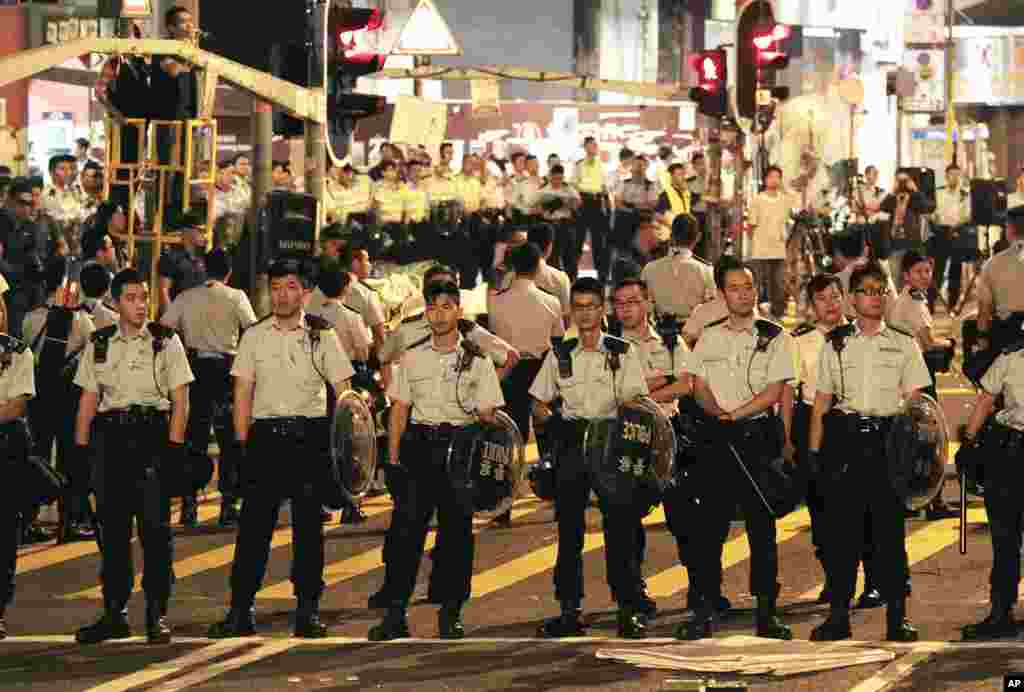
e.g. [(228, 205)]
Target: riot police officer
[(593, 375), (284, 364), (664, 359), (741, 364), (869, 367), (411, 331), (17, 386), (210, 318), (134, 406), (443, 385), (1000, 448)]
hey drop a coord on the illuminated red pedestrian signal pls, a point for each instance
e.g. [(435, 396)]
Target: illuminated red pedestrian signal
[(767, 42), (346, 31), (712, 82)]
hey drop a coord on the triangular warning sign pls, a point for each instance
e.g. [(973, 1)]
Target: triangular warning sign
[(426, 33)]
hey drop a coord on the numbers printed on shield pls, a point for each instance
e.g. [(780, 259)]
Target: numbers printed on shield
[(634, 432), (628, 465), (494, 460)]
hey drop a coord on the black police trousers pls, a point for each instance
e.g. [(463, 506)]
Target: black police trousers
[(1003, 482), (131, 493), (425, 489), (515, 388), (857, 489), (209, 403), (619, 524), (593, 217), (285, 460), (721, 484)]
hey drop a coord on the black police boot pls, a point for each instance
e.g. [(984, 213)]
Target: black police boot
[(999, 624), (700, 626), (113, 625), (938, 509), (646, 606), (239, 622), (157, 630), (768, 623), (835, 628), (352, 515), (897, 627), (393, 626), (380, 599), (307, 620), (449, 621), (871, 598), (568, 624), (189, 511), (228, 512), (631, 624)]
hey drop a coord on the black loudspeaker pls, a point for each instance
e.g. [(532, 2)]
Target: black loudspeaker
[(988, 201), (923, 177), (291, 224)]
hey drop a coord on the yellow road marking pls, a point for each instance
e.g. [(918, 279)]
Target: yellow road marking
[(539, 561), (929, 540), (674, 579), (55, 555), (367, 561), (222, 556)]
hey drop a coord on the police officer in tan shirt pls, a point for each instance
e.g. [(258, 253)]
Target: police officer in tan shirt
[(869, 368), (550, 279), (593, 375), (133, 412), (284, 364), (211, 319), (681, 281), (17, 387), (441, 387)]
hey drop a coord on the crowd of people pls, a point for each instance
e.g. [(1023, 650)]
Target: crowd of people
[(554, 349)]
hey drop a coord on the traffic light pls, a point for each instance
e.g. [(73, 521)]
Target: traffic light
[(347, 58), (767, 40), (711, 92)]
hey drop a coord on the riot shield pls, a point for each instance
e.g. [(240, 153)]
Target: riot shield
[(631, 457), (487, 466), (917, 450), (353, 445)]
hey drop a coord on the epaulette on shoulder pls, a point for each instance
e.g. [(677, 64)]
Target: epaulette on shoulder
[(407, 320), (564, 347), (716, 322), (805, 328), (349, 307), (702, 260), (1014, 347), (918, 294), (160, 331), (317, 323), (261, 320), (614, 344), (364, 283), (12, 344), (550, 293), (466, 326), (767, 328), (418, 342), (105, 333), (840, 332), (899, 330)]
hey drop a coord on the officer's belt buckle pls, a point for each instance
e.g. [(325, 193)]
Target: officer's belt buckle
[(869, 424), (212, 355), (286, 427), (435, 433)]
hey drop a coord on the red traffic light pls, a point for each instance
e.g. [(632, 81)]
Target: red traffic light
[(347, 19), (711, 69), (347, 48), (766, 41)]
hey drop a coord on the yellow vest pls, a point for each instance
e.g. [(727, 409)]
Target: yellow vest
[(390, 202), (441, 188), (590, 177), (468, 187), (416, 205), (680, 203)]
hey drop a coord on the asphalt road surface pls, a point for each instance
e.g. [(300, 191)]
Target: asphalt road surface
[(58, 591)]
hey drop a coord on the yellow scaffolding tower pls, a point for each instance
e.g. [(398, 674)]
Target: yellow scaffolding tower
[(192, 156)]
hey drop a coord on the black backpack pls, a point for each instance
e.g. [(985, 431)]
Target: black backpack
[(54, 369)]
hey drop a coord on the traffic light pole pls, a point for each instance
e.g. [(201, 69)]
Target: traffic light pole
[(714, 153)]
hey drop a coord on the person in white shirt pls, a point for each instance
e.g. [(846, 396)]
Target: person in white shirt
[(769, 215), (946, 244)]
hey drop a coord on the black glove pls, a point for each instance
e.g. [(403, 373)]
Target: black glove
[(813, 463), (239, 480)]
